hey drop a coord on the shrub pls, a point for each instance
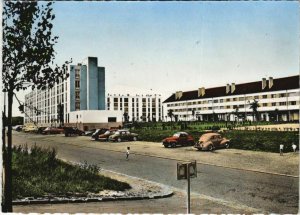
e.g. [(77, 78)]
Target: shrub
[(37, 172)]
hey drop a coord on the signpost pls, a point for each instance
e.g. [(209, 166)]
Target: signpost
[(186, 171)]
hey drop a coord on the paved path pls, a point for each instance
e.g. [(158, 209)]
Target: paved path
[(267, 192)]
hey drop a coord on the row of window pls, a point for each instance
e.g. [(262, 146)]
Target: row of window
[(273, 104), (247, 98)]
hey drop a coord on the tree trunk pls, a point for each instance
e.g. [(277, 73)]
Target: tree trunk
[(3, 149), (8, 163)]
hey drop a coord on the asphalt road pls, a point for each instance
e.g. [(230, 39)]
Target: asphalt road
[(267, 192)]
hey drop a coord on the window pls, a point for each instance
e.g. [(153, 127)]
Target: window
[(77, 84), (265, 96), (77, 95), (112, 119), (292, 103)]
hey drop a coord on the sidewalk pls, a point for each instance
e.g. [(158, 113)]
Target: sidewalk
[(288, 164)]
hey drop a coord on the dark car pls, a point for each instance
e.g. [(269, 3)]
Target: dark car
[(52, 130), (72, 131), (106, 135), (96, 134), (89, 132), (179, 138), (41, 129), (121, 135), (211, 141)]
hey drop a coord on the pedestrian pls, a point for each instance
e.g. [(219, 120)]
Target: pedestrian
[(127, 152), (281, 149), (294, 147)]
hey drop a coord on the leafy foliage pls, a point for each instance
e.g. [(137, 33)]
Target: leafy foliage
[(37, 172), (28, 46)]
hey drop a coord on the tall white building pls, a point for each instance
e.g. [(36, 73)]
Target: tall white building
[(278, 100), (78, 101), (139, 107)]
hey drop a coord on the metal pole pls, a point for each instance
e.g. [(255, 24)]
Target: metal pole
[(188, 190)]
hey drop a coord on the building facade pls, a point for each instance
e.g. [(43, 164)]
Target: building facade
[(278, 100), (138, 107), (82, 94)]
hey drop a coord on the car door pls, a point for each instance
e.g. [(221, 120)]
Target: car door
[(182, 139), (217, 141)]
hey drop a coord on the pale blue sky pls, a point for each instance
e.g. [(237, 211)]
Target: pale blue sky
[(170, 46)]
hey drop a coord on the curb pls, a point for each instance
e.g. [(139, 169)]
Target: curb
[(210, 164), (165, 193), (86, 200)]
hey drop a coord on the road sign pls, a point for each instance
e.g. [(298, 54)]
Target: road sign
[(187, 170), (183, 169)]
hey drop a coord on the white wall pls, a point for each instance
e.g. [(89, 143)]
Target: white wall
[(94, 116)]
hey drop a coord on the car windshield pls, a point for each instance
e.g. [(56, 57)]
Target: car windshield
[(107, 132), (176, 135), (117, 132)]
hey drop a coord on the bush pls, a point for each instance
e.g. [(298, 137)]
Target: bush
[(37, 172), (268, 141)]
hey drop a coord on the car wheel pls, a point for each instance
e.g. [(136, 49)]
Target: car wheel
[(134, 138), (210, 148), (166, 146), (119, 139), (173, 145), (227, 145)]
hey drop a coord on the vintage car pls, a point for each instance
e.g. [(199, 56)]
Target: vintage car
[(17, 127), (106, 135), (96, 134), (89, 132), (73, 131), (52, 130), (121, 135), (211, 141), (30, 128), (179, 138)]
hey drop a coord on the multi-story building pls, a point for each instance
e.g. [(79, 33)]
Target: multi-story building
[(278, 99), (137, 107), (79, 100)]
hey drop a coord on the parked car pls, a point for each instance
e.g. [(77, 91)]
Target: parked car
[(121, 135), (89, 132), (52, 130), (96, 134), (41, 129), (211, 141), (106, 135), (179, 138), (71, 131), (17, 127), (30, 128)]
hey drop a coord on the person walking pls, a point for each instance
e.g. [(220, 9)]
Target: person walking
[(281, 149), (127, 153), (294, 147)]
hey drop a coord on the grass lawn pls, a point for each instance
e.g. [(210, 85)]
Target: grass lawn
[(37, 173)]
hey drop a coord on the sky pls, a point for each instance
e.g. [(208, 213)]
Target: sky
[(164, 47)]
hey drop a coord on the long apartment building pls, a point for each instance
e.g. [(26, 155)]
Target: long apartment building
[(80, 99), (277, 98), (139, 107)]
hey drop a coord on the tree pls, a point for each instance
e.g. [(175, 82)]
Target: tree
[(170, 114), (236, 113), (193, 113), (28, 62), (125, 115), (254, 106)]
